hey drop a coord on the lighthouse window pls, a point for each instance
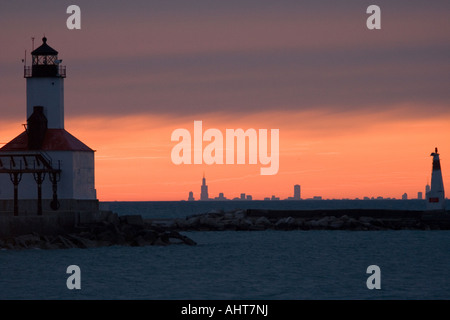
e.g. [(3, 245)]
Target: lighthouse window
[(44, 60)]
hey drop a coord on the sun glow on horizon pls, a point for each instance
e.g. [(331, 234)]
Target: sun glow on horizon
[(332, 157)]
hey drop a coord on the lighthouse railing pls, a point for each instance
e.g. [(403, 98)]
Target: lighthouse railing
[(27, 72), (60, 72)]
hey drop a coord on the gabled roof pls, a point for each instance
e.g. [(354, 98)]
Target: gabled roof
[(44, 49), (55, 140)]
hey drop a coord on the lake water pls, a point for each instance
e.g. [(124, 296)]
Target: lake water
[(275, 265)]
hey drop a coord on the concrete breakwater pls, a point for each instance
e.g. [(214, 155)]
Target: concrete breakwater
[(352, 219), (106, 229)]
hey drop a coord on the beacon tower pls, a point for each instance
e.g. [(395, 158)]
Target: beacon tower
[(436, 197), (45, 163)]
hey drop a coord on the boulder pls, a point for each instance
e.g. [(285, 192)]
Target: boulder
[(134, 220), (351, 223), (66, 243), (192, 222), (106, 235), (160, 242), (311, 224), (336, 224), (244, 224), (286, 223), (212, 223), (82, 242), (184, 239), (366, 219), (323, 222), (138, 242), (240, 214), (27, 241), (228, 216), (263, 221), (215, 211), (113, 218), (149, 235), (180, 223)]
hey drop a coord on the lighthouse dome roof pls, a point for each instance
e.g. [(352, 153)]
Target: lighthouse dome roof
[(44, 49), (54, 140)]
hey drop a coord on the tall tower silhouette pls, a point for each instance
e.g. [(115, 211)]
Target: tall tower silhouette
[(297, 192), (436, 196), (204, 190)]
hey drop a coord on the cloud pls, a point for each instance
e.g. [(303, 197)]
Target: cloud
[(178, 58), (339, 80)]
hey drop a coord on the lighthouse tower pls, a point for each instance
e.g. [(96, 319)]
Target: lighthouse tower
[(436, 197), (45, 85), (46, 168)]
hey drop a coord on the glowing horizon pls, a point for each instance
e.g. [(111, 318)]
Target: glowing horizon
[(133, 160)]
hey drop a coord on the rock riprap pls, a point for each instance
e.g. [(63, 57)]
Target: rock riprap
[(246, 220), (133, 230), (129, 230)]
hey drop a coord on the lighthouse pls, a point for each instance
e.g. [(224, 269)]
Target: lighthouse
[(45, 168), (436, 197)]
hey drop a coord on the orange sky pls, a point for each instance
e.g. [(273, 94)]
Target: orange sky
[(332, 156)]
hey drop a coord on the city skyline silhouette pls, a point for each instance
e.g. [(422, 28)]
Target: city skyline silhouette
[(204, 195)]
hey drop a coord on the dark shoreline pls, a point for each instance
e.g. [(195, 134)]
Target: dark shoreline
[(110, 230), (321, 219), (133, 230)]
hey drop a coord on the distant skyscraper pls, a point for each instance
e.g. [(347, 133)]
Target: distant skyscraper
[(405, 196), (297, 192), (427, 189), (191, 196), (419, 195), (204, 190), (221, 197), (242, 196)]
